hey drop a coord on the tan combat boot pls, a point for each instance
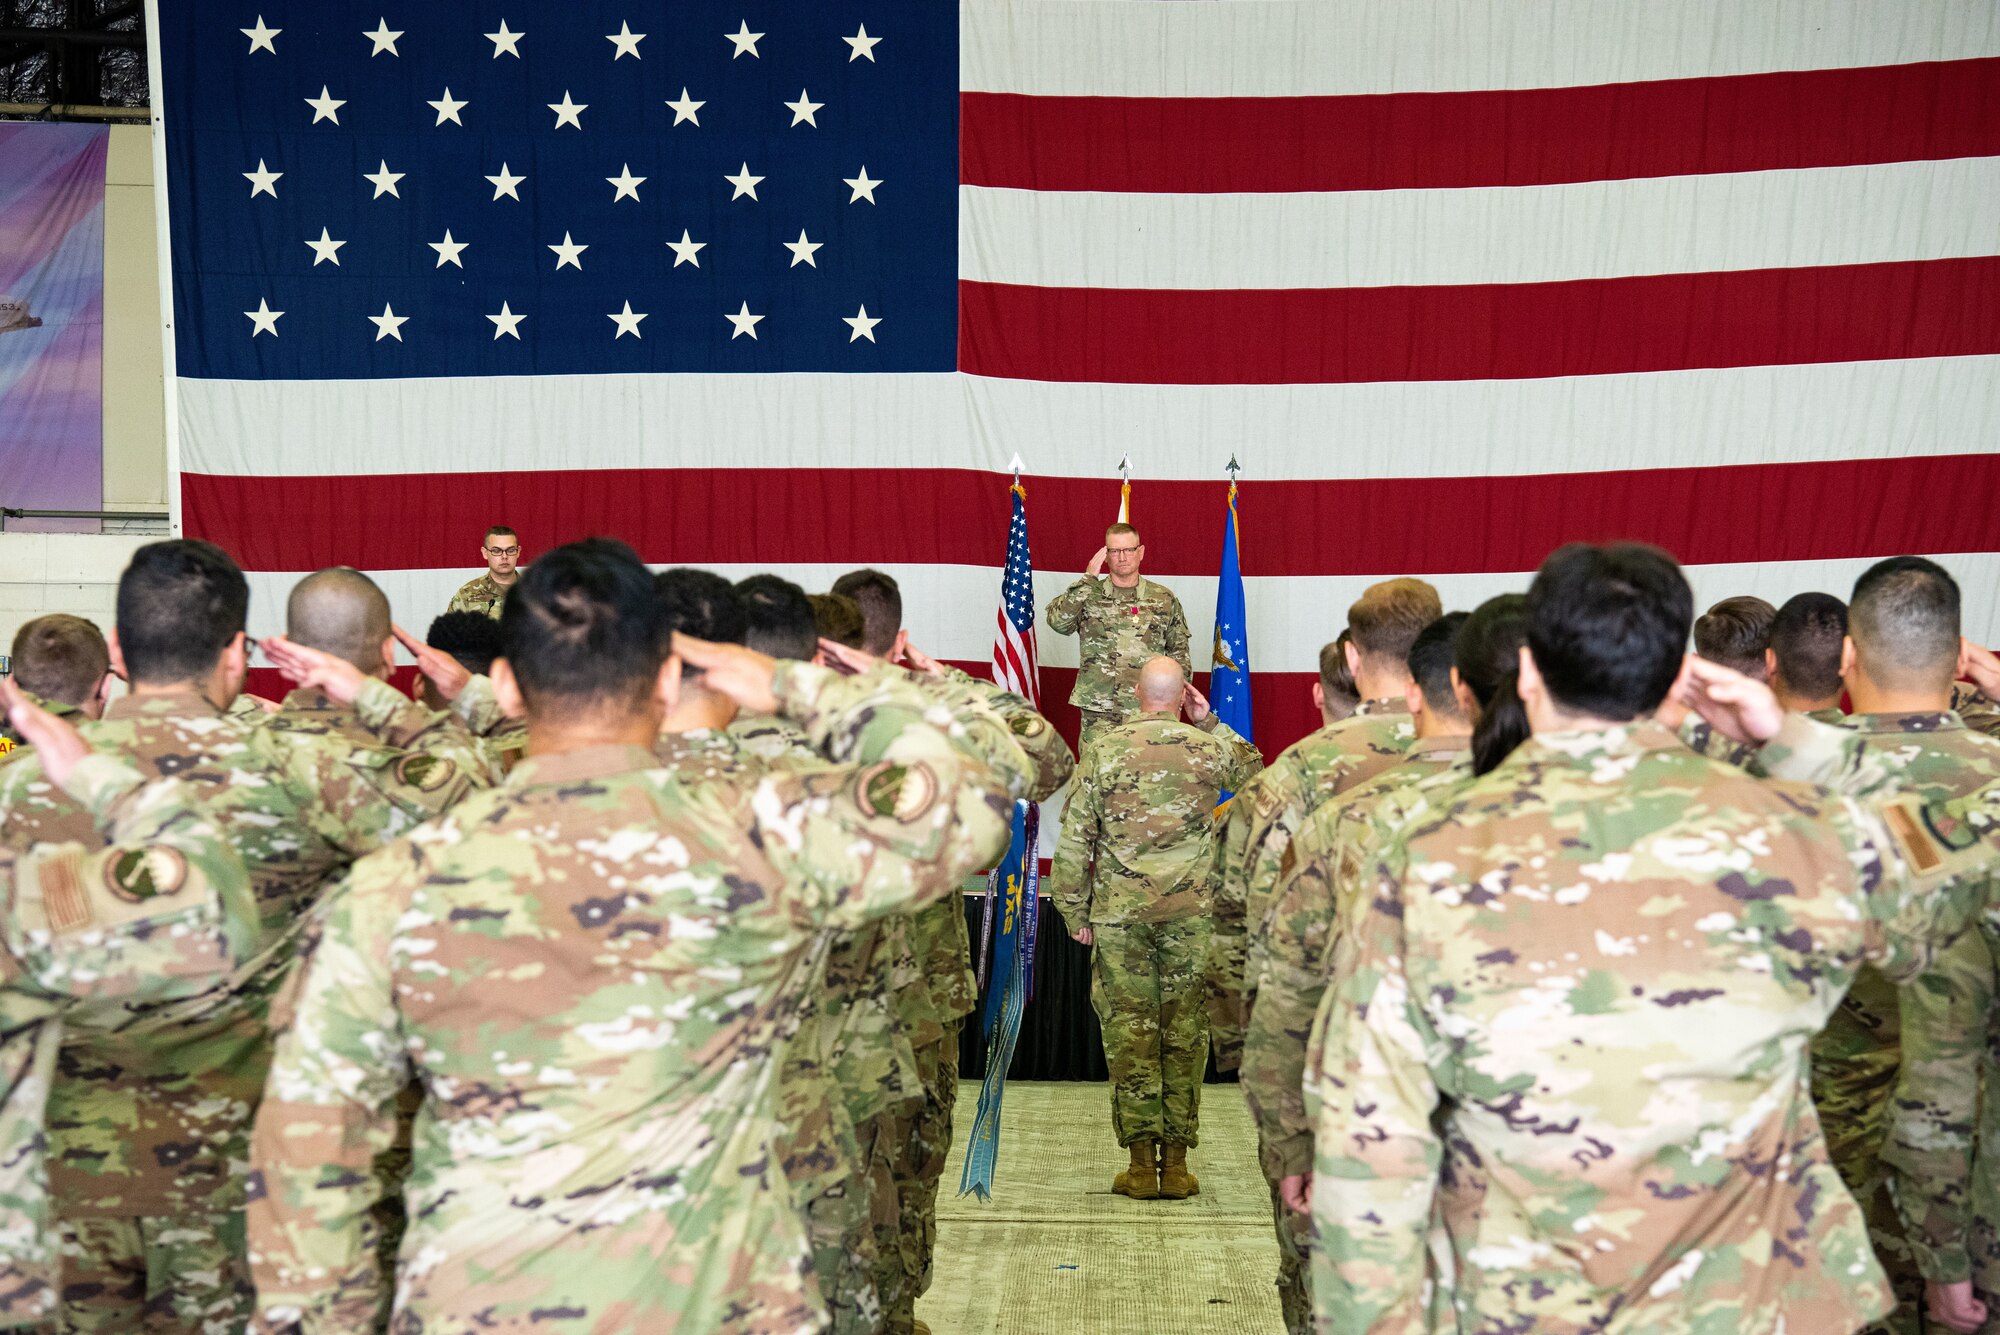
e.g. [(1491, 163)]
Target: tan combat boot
[(1141, 1181), (1176, 1182)]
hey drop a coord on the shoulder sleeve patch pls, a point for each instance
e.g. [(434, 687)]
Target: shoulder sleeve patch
[(1027, 725), (904, 793), (425, 773), (1954, 832), (153, 873)]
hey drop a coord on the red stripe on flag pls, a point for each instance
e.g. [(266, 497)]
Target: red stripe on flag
[(1482, 331), (1516, 136), (1751, 512)]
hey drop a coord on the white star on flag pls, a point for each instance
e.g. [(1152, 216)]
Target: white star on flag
[(504, 42), (506, 322), (384, 39), (862, 323), (263, 181), (569, 253), (260, 37), (326, 106), (389, 324), (863, 44), (447, 108), (684, 250), (803, 109), (263, 320), (802, 250), (744, 322), (626, 184), (685, 108), (326, 248), (626, 41), (384, 180), (504, 183), (448, 250), (567, 111), (628, 322), (745, 183), (745, 40), (862, 185)]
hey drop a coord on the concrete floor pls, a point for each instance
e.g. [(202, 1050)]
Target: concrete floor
[(1055, 1253)]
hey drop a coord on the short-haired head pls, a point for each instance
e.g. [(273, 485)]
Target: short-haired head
[(1386, 620), (499, 531), (180, 604), (1608, 627), (778, 618), (837, 617), (1122, 530), (1904, 621), (61, 658), (700, 603), (881, 604), (1805, 645), (1735, 633), (1161, 684), (473, 638), (580, 632), (1430, 661), (342, 612)]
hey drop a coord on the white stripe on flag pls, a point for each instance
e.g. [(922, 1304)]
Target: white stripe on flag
[(1514, 234)]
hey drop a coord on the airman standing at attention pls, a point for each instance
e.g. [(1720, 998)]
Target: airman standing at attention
[(1120, 621), (502, 549), (1133, 878)]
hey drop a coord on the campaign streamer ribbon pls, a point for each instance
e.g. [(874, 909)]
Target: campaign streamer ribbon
[(1016, 882)]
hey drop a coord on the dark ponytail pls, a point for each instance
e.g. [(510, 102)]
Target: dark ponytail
[(1487, 654)]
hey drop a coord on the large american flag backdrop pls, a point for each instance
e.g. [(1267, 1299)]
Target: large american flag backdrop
[(758, 285)]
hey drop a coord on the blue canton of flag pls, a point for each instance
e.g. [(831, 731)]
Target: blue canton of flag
[(1229, 671), (442, 193)]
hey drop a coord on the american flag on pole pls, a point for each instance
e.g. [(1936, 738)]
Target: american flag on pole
[(1014, 666), (1457, 283)]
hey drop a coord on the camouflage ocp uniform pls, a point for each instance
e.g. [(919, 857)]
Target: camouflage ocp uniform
[(1324, 872), (162, 910), (1313, 770), (150, 1112), (1117, 631), (1136, 865), (1903, 1076), (11, 746), (1575, 1025), (589, 969), (483, 595)]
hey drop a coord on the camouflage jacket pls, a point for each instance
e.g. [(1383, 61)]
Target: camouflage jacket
[(942, 943), (1575, 1022), (588, 970), (1322, 879), (11, 746), (1138, 837), (1117, 631), (151, 1108), (1971, 705), (1901, 1073), (1704, 740), (157, 908), (482, 595), (502, 741), (1312, 770), (816, 1143)]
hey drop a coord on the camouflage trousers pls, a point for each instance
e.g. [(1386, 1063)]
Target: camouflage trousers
[(922, 1166), (1294, 1265), (1095, 721), (884, 1138), (1852, 1095), (155, 1275), (841, 1228), (1147, 987)]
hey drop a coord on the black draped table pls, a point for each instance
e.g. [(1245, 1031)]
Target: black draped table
[(1059, 1034)]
